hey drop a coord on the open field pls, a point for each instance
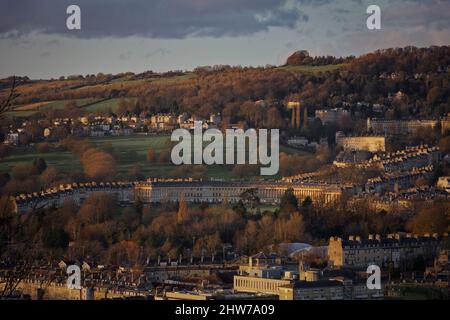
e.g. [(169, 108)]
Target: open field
[(311, 69), (29, 109), (105, 105), (128, 151), (63, 160)]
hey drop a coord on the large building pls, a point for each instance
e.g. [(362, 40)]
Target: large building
[(396, 248), (316, 290), (394, 181), (160, 191), (406, 159), (262, 274), (398, 127), (332, 116), (356, 143), (77, 192), (231, 191)]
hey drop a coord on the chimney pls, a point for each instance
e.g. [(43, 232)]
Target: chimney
[(408, 235), (351, 238), (293, 118), (358, 238), (378, 237), (370, 236)]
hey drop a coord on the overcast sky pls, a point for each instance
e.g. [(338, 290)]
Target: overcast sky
[(160, 35)]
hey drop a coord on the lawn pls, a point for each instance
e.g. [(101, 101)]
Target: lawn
[(128, 151), (63, 160), (132, 150)]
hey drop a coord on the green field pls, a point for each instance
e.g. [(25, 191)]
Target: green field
[(311, 69), (128, 151), (106, 105), (63, 160), (27, 110)]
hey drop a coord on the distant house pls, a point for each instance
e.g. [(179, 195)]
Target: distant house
[(297, 141), (12, 139)]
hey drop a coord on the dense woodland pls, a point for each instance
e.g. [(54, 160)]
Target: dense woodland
[(99, 230), (421, 74)]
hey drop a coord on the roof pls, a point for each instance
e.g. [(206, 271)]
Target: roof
[(317, 284)]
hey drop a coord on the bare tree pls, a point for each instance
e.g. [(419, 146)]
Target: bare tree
[(13, 275), (6, 103)]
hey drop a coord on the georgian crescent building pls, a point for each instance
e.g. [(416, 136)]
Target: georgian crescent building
[(160, 191), (230, 192)]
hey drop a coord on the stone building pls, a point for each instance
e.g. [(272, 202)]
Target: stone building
[(223, 192), (398, 127), (396, 248), (332, 116), (159, 191), (367, 143), (316, 290)]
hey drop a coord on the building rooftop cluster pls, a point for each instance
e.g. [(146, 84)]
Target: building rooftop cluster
[(391, 240), (68, 189)]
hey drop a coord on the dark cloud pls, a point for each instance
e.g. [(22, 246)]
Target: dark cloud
[(148, 18)]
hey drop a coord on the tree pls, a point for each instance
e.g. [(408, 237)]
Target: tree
[(135, 172), (5, 151), (39, 165), (182, 214), (240, 208), (289, 202), (251, 197), (97, 208), (150, 155), (43, 147), (164, 156), (6, 103), (22, 171), (50, 176), (98, 165), (55, 238), (431, 220)]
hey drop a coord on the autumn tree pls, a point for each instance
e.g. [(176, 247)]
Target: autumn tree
[(435, 219), (98, 165), (150, 155)]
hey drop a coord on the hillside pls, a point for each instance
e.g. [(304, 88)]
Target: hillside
[(420, 74)]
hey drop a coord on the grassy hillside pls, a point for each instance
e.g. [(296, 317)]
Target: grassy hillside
[(311, 69)]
